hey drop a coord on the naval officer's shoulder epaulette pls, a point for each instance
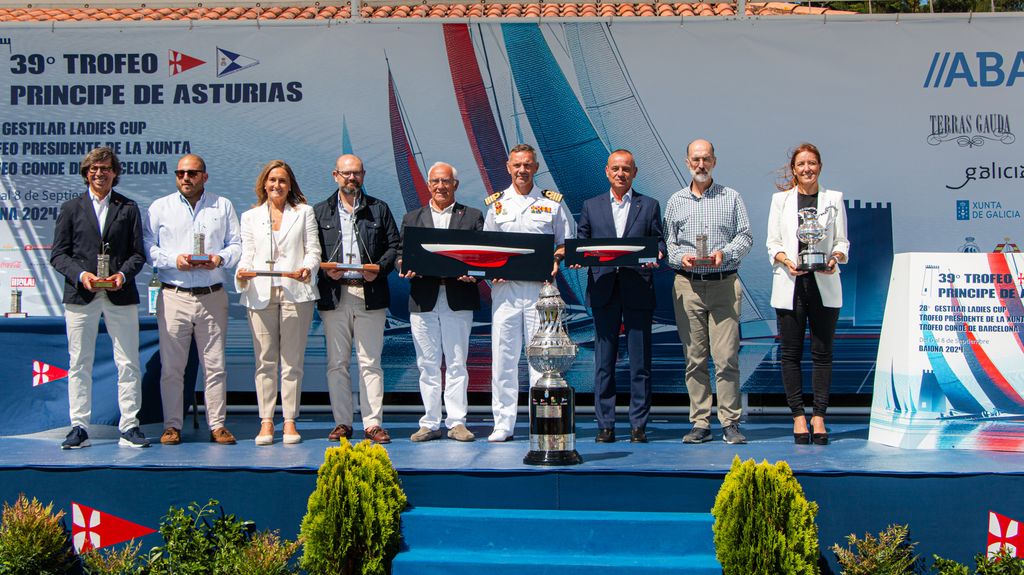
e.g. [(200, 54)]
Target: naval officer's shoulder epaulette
[(552, 195), (492, 198)]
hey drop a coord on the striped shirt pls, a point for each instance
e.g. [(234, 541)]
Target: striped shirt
[(719, 213)]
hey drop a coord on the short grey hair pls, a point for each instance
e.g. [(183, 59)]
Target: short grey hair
[(455, 173)]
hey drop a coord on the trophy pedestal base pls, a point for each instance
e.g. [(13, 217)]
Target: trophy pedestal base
[(199, 258), (812, 262), (704, 262), (552, 425), (103, 284), (16, 315), (553, 458)]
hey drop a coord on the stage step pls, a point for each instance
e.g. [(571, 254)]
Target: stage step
[(457, 541)]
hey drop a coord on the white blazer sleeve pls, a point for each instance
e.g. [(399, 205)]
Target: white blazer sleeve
[(311, 259), (840, 242), (775, 242)]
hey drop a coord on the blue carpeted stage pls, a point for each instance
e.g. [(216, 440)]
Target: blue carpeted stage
[(860, 487)]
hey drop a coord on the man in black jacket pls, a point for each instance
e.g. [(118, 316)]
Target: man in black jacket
[(101, 223), (355, 228), (441, 312)]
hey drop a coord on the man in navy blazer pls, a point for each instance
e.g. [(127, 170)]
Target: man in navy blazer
[(441, 312), (101, 219), (622, 296)]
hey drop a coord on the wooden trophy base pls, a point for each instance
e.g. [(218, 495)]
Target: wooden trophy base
[(350, 267)]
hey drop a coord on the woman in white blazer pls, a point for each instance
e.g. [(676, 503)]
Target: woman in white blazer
[(801, 298), (279, 234)]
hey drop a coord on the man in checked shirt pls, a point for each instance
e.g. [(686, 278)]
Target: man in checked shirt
[(707, 295)]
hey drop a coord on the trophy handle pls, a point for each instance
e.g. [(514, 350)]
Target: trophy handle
[(830, 215)]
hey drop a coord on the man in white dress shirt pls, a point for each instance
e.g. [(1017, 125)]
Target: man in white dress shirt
[(192, 300)]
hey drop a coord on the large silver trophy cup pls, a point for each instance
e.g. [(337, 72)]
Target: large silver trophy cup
[(811, 231), (552, 400)]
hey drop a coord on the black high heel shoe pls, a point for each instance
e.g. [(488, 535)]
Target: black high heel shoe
[(819, 438), (802, 438)]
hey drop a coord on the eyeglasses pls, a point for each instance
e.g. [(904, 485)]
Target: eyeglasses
[(348, 174), (188, 173), (100, 169), (442, 181)]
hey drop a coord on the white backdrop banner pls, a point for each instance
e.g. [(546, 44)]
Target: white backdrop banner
[(915, 120)]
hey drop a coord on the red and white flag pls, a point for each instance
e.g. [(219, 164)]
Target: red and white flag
[(45, 373), (1004, 532), (92, 529), (178, 62)]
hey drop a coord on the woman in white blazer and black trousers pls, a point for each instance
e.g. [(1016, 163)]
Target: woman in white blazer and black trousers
[(279, 234), (801, 298)]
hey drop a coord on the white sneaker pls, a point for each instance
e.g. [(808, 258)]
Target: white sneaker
[(499, 436)]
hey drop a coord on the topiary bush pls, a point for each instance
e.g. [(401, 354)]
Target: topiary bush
[(352, 520), (891, 553), (763, 523), (34, 539)]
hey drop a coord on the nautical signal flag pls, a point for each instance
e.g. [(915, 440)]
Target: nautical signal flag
[(45, 373), (178, 62), (93, 529), (229, 62), (1004, 532)]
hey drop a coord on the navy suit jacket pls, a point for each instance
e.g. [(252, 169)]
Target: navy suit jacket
[(423, 290), (77, 242), (636, 284)]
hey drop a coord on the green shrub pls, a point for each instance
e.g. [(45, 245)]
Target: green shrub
[(264, 554), (1004, 563), (115, 560), (197, 540), (33, 540), (763, 523), (949, 567), (892, 553), (352, 520)]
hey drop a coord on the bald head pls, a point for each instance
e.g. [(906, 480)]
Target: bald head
[(348, 173)]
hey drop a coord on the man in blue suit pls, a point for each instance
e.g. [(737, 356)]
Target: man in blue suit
[(622, 296)]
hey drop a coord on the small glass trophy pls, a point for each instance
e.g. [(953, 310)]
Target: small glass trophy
[(199, 255), (103, 269), (16, 305), (703, 257)]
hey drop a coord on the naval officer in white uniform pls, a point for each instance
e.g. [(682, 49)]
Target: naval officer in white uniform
[(521, 208)]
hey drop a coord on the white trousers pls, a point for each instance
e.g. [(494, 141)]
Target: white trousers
[(436, 333), (83, 322), (514, 320), (351, 323)]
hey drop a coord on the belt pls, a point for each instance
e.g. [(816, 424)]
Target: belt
[(193, 290), (710, 277), (351, 281)]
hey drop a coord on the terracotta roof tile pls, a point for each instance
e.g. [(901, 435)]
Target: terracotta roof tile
[(438, 10)]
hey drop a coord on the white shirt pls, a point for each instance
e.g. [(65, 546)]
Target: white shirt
[(171, 223), (100, 207), (442, 218), (532, 213), (620, 211)]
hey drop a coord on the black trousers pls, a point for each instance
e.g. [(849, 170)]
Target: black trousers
[(807, 309)]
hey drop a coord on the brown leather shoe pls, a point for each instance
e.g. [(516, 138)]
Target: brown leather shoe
[(171, 436), (340, 431), (377, 434), (222, 436)]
